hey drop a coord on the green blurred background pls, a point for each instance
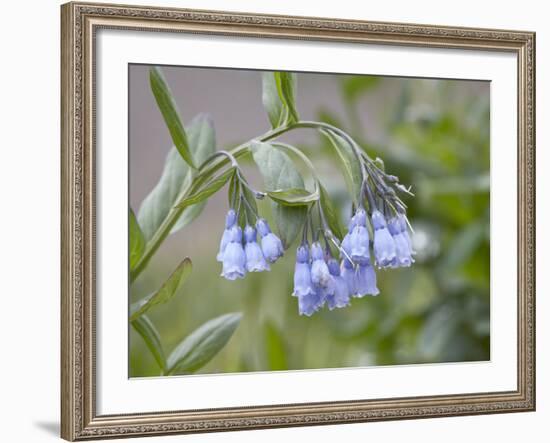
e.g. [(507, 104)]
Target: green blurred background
[(433, 134)]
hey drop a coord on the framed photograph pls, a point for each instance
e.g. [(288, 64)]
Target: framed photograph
[(277, 221)]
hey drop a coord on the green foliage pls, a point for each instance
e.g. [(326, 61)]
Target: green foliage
[(278, 96), (170, 113), (146, 329), (166, 291), (431, 135), (294, 197), (175, 180), (279, 173), (207, 190), (203, 344), (329, 213), (352, 172), (137, 240)]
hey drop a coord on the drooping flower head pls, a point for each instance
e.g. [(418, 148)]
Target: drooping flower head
[(339, 298), (359, 239), (309, 304), (230, 220), (234, 258), (347, 272), (272, 247), (403, 252), (255, 260), (302, 273), (310, 298), (402, 219), (384, 245), (365, 278), (346, 241), (320, 275)]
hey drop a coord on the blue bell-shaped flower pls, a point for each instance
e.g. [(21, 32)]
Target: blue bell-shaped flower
[(340, 296), (255, 261), (234, 258), (272, 247), (230, 220), (384, 245)]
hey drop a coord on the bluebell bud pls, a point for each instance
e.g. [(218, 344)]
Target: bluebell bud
[(272, 247)]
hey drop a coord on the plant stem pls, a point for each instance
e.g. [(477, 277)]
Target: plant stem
[(169, 222), (321, 125), (164, 230)]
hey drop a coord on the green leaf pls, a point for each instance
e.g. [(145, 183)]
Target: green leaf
[(167, 290), (352, 170), (137, 241), (278, 91), (276, 348), (330, 214), (286, 87), (207, 190), (271, 101), (176, 178), (202, 139), (279, 173), (170, 113), (231, 193), (294, 197), (146, 329), (203, 344), (251, 209)]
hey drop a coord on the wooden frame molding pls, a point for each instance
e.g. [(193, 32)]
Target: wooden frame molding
[(79, 23)]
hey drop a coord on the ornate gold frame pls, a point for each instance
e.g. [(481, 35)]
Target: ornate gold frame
[(79, 22)]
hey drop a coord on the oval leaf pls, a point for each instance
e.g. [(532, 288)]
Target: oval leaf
[(286, 87), (146, 329), (202, 140), (279, 173), (278, 97), (271, 101), (176, 179), (203, 344), (170, 113), (294, 197), (137, 240), (167, 290), (352, 171)]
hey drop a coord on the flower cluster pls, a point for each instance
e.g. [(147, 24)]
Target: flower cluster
[(334, 274), (240, 257), (392, 246), (319, 279)]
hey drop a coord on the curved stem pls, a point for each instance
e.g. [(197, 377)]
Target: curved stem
[(257, 194), (354, 147), (232, 155), (169, 222), (304, 158)]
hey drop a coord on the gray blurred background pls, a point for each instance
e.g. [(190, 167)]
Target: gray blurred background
[(434, 134)]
